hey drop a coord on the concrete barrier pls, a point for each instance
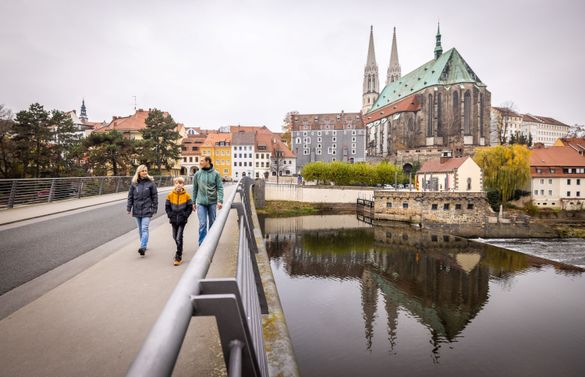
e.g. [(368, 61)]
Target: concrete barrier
[(318, 194)]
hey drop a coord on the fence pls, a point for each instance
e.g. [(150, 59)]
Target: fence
[(234, 302), (15, 192)]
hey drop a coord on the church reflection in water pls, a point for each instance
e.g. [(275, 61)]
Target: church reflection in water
[(441, 280)]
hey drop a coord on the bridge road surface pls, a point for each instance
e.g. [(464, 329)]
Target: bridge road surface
[(89, 315)]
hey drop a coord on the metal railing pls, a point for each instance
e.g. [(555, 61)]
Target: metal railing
[(234, 302), (15, 192)]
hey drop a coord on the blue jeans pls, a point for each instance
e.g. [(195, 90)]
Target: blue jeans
[(142, 223), (203, 212)]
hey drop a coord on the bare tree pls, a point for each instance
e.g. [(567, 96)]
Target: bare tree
[(507, 109)]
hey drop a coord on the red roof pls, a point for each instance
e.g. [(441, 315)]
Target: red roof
[(557, 156), (134, 122), (436, 166), (409, 103)]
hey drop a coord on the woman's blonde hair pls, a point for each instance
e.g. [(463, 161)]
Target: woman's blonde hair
[(137, 174), (178, 180)]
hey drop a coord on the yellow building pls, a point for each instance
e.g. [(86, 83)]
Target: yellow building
[(218, 146)]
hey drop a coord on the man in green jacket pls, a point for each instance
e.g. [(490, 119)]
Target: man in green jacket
[(207, 195)]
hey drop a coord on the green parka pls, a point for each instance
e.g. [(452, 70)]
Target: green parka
[(207, 187)]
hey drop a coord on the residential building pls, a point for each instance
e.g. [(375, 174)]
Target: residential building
[(558, 177), (458, 174), (191, 153), (243, 149), (440, 106), (218, 146), (544, 130), (327, 137), (505, 122)]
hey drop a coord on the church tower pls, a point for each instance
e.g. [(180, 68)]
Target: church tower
[(371, 81), (438, 47), (83, 112), (394, 67)]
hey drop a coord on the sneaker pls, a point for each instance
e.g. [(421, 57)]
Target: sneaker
[(178, 261), (141, 251)]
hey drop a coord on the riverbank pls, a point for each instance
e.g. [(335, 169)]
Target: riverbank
[(281, 208), (570, 225)]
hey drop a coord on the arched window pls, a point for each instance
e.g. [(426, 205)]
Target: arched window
[(440, 114), (456, 111), (467, 113), (430, 117), (468, 184), (481, 114)]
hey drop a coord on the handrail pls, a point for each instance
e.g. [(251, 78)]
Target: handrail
[(159, 352), (26, 191)]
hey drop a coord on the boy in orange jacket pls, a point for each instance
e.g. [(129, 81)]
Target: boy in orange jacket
[(178, 207)]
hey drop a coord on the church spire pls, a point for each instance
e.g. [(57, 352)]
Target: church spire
[(394, 67), (438, 48), (83, 112), (371, 81)]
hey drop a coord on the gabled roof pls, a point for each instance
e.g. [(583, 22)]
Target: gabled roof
[(556, 156), (436, 166), (507, 112), (540, 119), (450, 68), (578, 143), (213, 138), (335, 121)]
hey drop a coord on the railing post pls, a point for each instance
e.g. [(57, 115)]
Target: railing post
[(79, 188), (117, 184), (52, 190), (12, 194), (101, 185)]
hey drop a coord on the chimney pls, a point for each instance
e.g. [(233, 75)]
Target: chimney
[(445, 156)]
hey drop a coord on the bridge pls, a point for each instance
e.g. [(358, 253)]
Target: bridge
[(76, 299)]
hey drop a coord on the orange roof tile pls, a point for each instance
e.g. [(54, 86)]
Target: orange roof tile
[(436, 166), (213, 138), (409, 103), (556, 156)]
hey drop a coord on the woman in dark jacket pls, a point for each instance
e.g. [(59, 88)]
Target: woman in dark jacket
[(143, 203)]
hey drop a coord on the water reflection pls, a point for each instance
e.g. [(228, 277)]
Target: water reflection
[(441, 281)]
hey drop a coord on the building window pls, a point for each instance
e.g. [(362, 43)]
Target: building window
[(578, 182), (578, 193), (353, 139), (456, 110), (235, 163), (468, 184), (334, 139), (305, 152), (469, 205), (568, 182), (430, 117), (388, 204), (405, 205), (434, 206), (541, 192), (568, 193), (542, 181), (535, 192), (457, 205), (549, 192), (446, 207), (353, 151), (550, 181)]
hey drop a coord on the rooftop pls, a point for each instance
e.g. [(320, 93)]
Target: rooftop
[(442, 165), (450, 68), (556, 156)]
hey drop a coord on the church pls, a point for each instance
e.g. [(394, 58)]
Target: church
[(441, 108)]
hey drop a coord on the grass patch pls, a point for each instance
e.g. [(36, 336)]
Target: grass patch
[(280, 208), (571, 232)]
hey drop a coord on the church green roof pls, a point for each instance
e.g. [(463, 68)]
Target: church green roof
[(450, 68)]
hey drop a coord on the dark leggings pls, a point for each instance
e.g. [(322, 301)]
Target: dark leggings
[(178, 237)]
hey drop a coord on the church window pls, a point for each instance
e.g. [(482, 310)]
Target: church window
[(456, 110), (430, 117), (467, 113), (440, 114), (481, 114)]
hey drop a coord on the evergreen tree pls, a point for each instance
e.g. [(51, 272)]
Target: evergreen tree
[(32, 138), (530, 140), (109, 150), (65, 143), (8, 163), (160, 140)]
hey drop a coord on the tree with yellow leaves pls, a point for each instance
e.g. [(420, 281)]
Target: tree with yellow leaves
[(506, 168)]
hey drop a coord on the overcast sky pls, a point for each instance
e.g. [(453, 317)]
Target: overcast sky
[(215, 63)]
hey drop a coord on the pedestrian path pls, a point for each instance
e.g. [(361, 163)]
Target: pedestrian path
[(93, 323)]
